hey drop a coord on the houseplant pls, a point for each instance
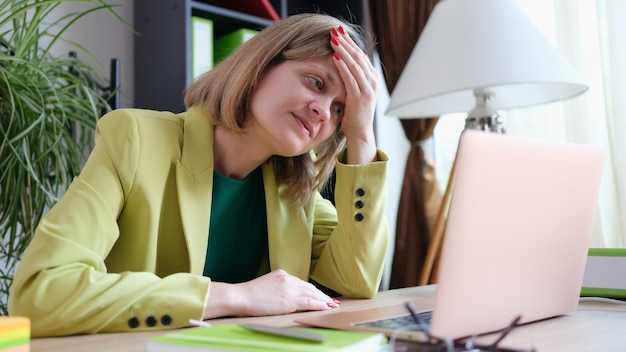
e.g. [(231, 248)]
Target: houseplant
[(48, 109)]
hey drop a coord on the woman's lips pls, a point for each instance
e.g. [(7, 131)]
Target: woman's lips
[(304, 123)]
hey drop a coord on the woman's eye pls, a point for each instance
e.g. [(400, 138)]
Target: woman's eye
[(339, 110), (316, 82)]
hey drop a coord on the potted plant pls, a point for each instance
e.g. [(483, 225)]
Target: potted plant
[(48, 110)]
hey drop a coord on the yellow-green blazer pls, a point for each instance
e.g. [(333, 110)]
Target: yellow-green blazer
[(124, 249)]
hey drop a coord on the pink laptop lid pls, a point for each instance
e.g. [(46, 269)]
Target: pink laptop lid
[(517, 232)]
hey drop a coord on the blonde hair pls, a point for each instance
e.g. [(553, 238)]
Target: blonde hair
[(225, 92)]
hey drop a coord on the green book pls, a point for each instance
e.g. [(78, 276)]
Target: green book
[(226, 44), (232, 337)]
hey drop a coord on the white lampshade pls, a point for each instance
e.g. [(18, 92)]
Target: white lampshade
[(480, 44)]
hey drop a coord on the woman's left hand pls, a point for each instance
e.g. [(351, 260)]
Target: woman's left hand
[(361, 82)]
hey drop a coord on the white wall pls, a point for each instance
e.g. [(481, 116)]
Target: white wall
[(391, 139), (105, 37)]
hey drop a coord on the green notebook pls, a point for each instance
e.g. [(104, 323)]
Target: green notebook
[(231, 337)]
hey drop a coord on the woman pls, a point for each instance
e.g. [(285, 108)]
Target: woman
[(216, 211)]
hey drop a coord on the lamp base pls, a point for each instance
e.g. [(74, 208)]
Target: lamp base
[(484, 117), (485, 123)]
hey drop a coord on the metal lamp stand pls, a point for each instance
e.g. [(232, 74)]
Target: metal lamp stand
[(485, 118)]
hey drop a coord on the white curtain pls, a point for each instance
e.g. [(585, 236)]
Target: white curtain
[(591, 35)]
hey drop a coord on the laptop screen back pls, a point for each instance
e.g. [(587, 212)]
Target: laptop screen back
[(517, 232)]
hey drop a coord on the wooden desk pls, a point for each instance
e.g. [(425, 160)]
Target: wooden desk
[(594, 326)]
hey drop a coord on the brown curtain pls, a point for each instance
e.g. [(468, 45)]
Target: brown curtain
[(397, 24)]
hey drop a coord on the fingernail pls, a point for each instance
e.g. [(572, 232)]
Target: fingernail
[(334, 41), (331, 305), (337, 57), (336, 301), (334, 32), (341, 30)]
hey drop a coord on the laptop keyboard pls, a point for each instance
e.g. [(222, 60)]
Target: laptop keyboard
[(403, 322)]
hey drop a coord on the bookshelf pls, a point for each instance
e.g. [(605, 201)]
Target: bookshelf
[(162, 48)]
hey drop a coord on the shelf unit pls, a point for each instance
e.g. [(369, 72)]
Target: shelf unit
[(163, 44)]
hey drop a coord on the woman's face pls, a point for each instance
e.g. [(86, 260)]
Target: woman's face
[(297, 105)]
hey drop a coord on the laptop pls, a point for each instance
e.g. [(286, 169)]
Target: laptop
[(515, 242)]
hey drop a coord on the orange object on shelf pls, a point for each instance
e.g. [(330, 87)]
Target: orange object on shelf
[(259, 8)]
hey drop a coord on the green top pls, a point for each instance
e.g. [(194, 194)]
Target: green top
[(238, 230)]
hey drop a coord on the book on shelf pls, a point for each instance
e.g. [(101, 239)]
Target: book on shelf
[(227, 43), (233, 337), (259, 8), (201, 46)]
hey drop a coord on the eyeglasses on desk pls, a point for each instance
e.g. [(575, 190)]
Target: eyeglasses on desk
[(438, 344)]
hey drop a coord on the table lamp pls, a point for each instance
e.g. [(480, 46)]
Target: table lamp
[(475, 57)]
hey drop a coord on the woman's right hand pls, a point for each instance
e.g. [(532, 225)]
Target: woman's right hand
[(271, 294)]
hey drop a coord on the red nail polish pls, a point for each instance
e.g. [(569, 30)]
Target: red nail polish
[(337, 57), (336, 301), (341, 30), (330, 305), (334, 41), (334, 32)]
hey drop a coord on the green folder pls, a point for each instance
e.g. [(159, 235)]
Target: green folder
[(226, 44), (201, 46)]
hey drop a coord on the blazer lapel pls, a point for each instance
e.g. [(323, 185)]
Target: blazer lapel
[(194, 181), (289, 231)]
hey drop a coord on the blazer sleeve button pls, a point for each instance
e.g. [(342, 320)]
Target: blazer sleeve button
[(358, 204), (358, 217), (166, 319), (133, 322), (360, 192), (151, 321)]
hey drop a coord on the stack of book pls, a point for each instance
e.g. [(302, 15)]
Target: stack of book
[(14, 334), (603, 273)]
